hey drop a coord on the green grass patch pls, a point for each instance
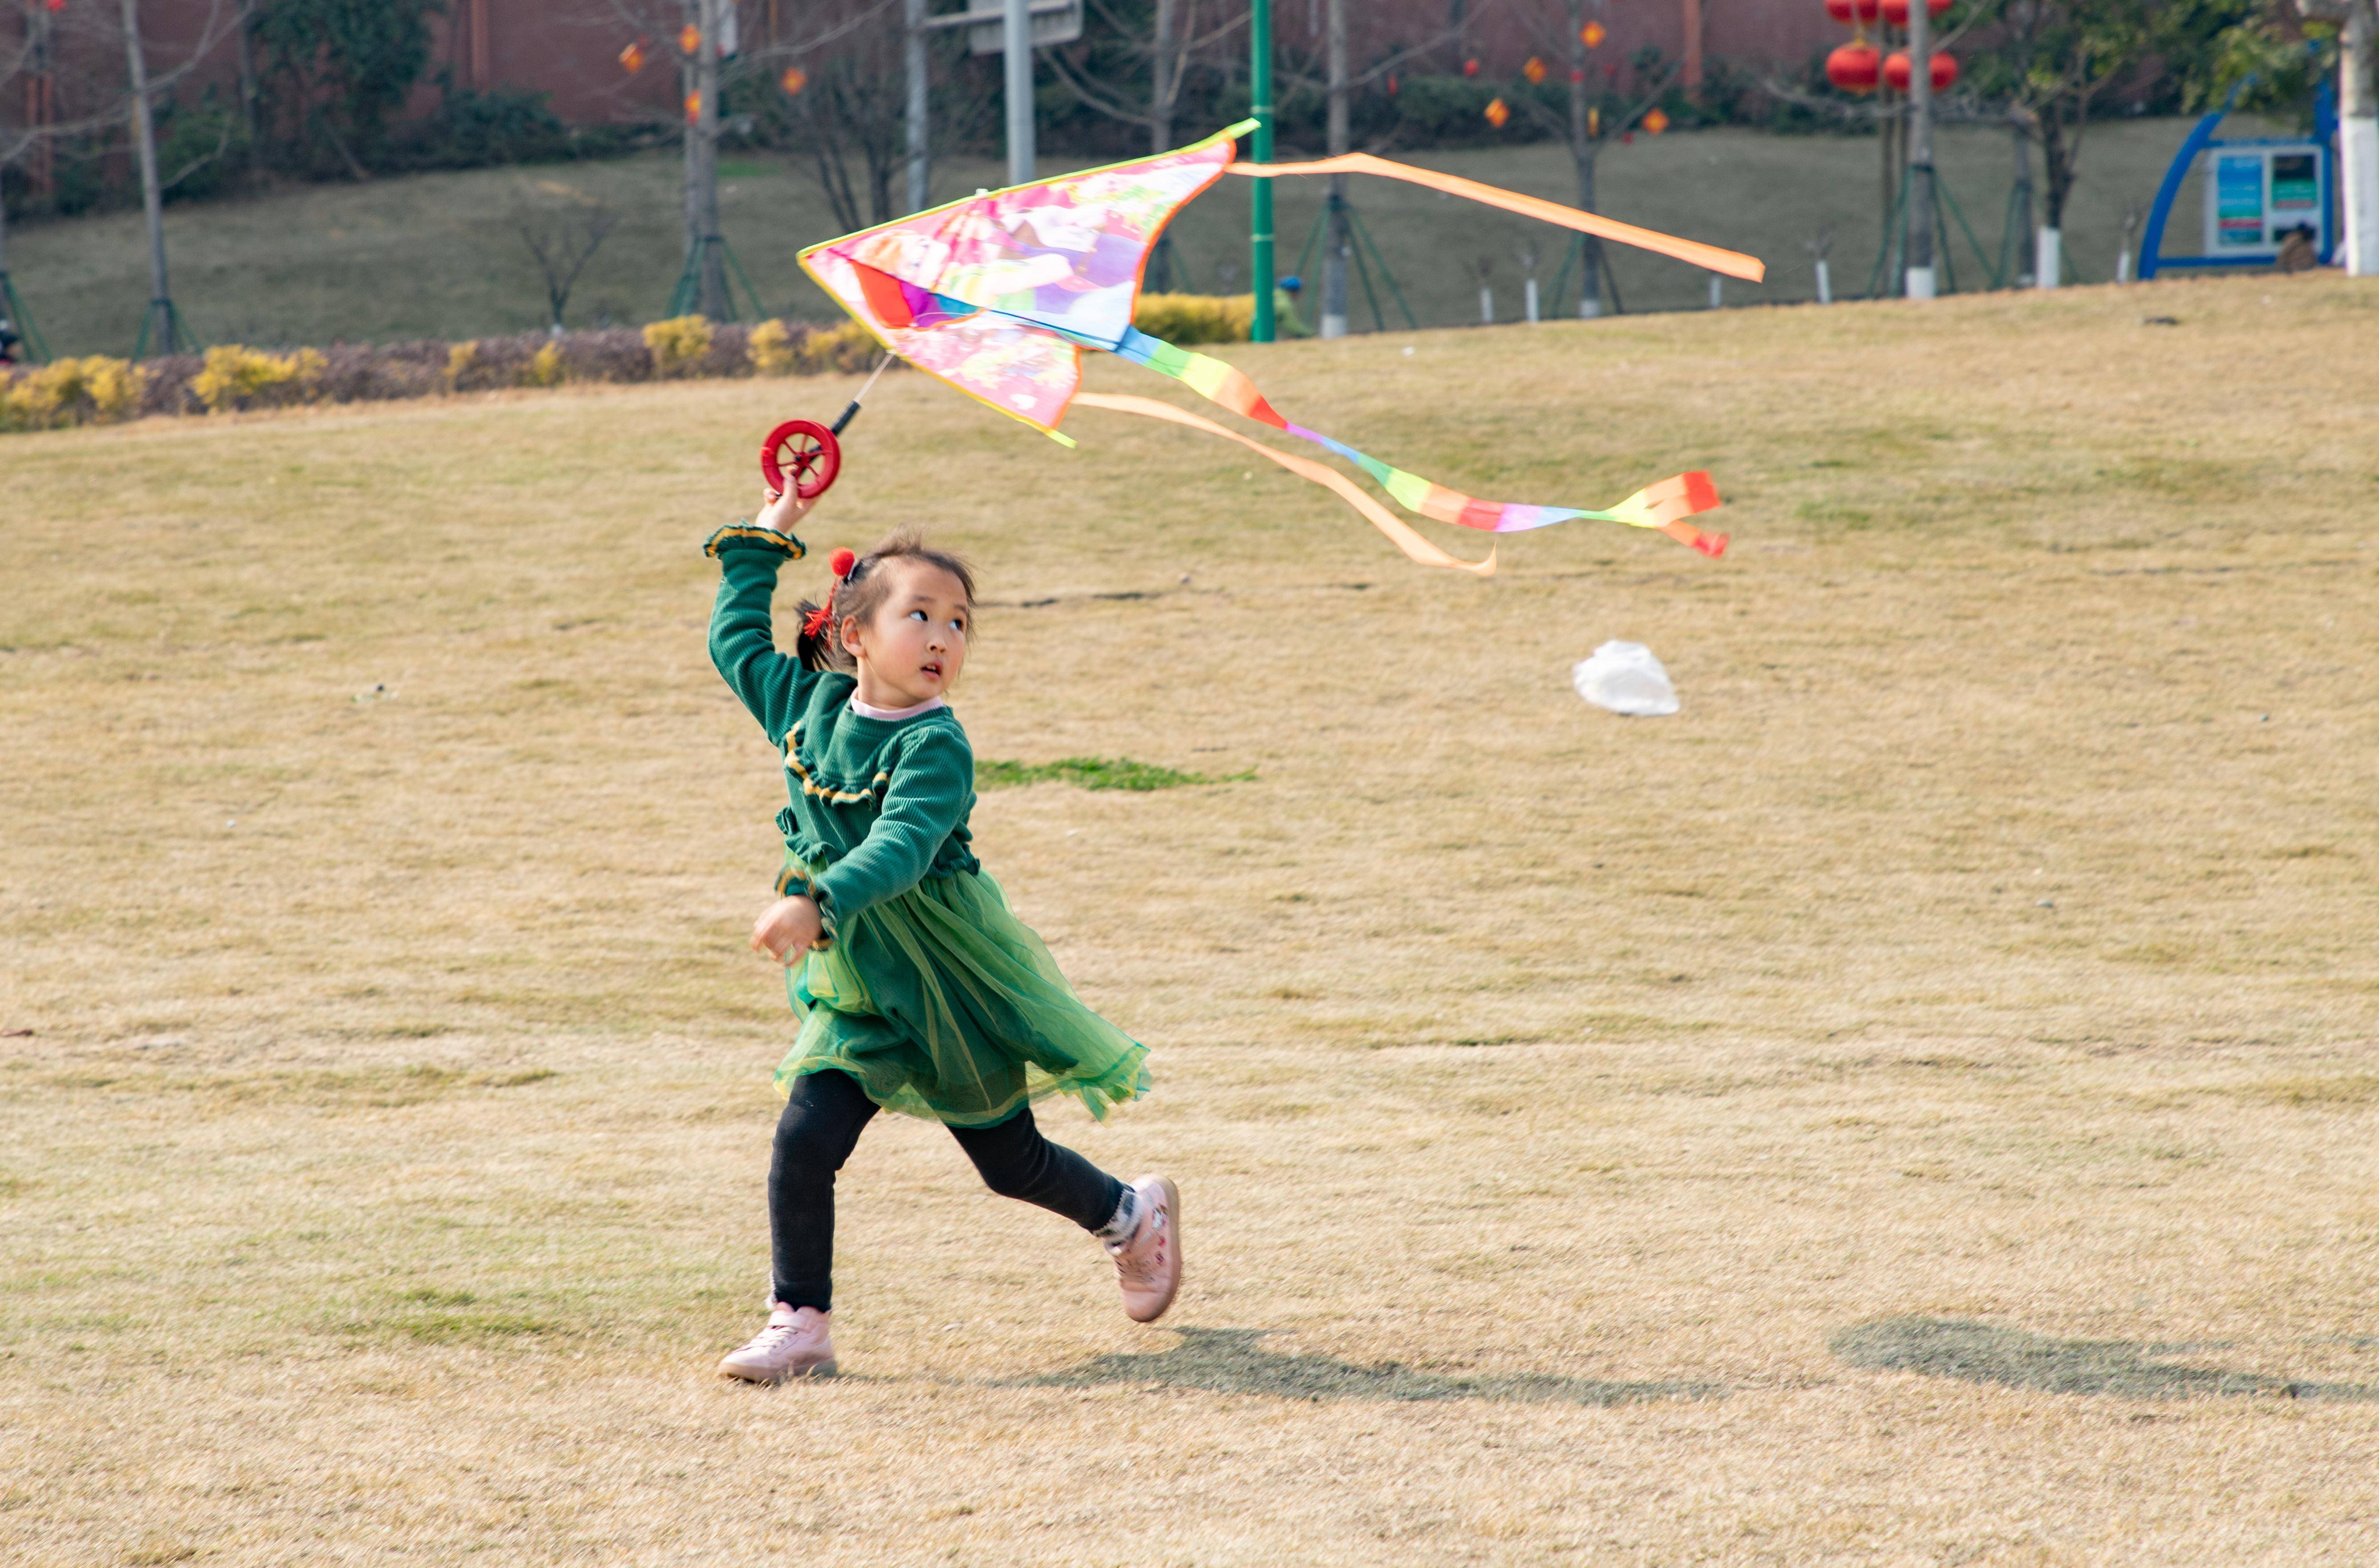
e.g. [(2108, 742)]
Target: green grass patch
[(1095, 773)]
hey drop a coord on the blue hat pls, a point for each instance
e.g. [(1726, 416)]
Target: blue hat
[(1291, 283)]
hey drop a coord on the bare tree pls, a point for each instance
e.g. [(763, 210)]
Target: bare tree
[(697, 31), (2047, 62), (1170, 36), (221, 17), (1339, 84), (1593, 116), (563, 237)]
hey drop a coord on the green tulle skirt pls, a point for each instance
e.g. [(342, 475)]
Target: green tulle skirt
[(943, 1004)]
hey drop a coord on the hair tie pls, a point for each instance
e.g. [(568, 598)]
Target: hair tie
[(839, 563)]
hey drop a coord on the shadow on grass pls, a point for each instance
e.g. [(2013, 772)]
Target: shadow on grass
[(1232, 1361), (1982, 1353)]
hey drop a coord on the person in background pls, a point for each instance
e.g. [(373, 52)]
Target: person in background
[(1287, 322), (2297, 253)]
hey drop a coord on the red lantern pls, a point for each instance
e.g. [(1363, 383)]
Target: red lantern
[(1866, 10), (1896, 11), (1854, 67), (1895, 71), (1840, 10)]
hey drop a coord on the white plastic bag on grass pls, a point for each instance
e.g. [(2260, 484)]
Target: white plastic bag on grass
[(1626, 678)]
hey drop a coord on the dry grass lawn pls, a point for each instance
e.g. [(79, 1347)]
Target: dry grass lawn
[(1916, 1105)]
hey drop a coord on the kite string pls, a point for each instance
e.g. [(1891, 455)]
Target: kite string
[(882, 365)]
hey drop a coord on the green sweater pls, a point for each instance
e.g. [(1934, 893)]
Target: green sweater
[(878, 804)]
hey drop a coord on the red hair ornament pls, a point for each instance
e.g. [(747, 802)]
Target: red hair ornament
[(839, 563)]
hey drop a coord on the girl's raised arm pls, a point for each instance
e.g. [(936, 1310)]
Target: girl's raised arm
[(742, 644)]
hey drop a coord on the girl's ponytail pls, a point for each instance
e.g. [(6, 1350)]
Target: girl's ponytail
[(818, 645)]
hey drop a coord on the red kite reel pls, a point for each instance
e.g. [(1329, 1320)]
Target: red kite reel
[(810, 452), (805, 450)]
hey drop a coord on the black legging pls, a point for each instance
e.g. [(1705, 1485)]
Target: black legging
[(821, 1126)]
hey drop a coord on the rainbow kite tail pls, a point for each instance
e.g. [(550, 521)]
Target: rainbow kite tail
[(1665, 506)]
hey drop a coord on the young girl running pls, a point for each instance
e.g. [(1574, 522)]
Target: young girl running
[(919, 990)]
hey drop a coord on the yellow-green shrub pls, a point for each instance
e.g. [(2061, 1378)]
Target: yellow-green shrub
[(676, 344), (71, 392), (544, 366), (848, 347), (773, 350), (236, 377), (459, 360), (1196, 318)]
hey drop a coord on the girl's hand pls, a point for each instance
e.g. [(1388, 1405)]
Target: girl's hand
[(783, 510), (787, 929)]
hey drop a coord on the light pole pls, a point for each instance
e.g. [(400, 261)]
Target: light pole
[(912, 57), (1920, 149), (1259, 198), (1017, 44)]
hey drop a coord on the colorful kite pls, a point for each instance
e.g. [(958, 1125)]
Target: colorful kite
[(999, 294)]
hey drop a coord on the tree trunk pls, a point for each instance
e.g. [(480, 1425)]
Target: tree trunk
[(2020, 208), (1334, 245), (1163, 77), (689, 83), (1163, 91), (1920, 151), (153, 204), (715, 302), (244, 52), (1583, 146), (2057, 170), (1886, 136)]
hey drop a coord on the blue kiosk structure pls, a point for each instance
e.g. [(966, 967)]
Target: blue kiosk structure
[(2257, 190)]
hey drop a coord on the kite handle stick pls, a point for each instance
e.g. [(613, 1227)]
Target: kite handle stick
[(852, 412)]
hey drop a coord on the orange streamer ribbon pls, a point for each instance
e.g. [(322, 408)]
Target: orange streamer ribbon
[(1733, 263)]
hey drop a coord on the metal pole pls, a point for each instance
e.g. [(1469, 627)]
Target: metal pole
[(1259, 198), (1920, 151), (2358, 142), (913, 49), (1017, 39)]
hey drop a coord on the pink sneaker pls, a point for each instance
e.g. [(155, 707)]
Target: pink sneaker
[(1148, 1266), (794, 1344)]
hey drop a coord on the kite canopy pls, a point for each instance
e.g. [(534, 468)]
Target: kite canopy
[(993, 293), (999, 294)]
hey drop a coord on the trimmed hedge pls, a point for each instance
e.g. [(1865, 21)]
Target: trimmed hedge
[(231, 378)]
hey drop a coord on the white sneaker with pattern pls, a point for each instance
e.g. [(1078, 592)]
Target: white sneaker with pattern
[(1148, 1264), (796, 1343)]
